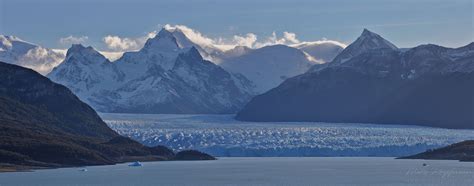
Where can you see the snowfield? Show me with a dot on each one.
(221, 135)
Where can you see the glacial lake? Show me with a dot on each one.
(221, 135)
(259, 171)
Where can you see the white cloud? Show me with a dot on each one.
(41, 59)
(320, 42)
(4, 42)
(73, 40)
(193, 35)
(117, 43)
(121, 44)
(248, 40)
(290, 37)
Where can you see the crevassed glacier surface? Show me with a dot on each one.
(221, 135)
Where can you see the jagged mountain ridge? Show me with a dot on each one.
(160, 78)
(371, 81)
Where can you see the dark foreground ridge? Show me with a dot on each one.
(462, 151)
(44, 125)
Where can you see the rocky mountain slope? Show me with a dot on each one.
(43, 124)
(371, 81)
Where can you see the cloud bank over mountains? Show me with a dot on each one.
(251, 40)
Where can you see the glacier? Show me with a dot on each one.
(222, 135)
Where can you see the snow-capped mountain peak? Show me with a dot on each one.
(160, 51)
(163, 41)
(87, 55)
(182, 40)
(75, 48)
(78, 49)
(86, 72)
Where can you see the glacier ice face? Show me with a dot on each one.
(221, 135)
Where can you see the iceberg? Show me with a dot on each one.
(135, 164)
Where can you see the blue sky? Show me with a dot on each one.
(406, 23)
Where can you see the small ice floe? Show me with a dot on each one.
(135, 164)
(83, 170)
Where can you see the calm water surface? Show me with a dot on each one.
(259, 171)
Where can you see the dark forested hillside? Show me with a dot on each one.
(42, 124)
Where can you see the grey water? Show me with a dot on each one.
(259, 171)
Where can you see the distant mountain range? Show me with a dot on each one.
(167, 75)
(170, 75)
(43, 124)
(372, 81)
